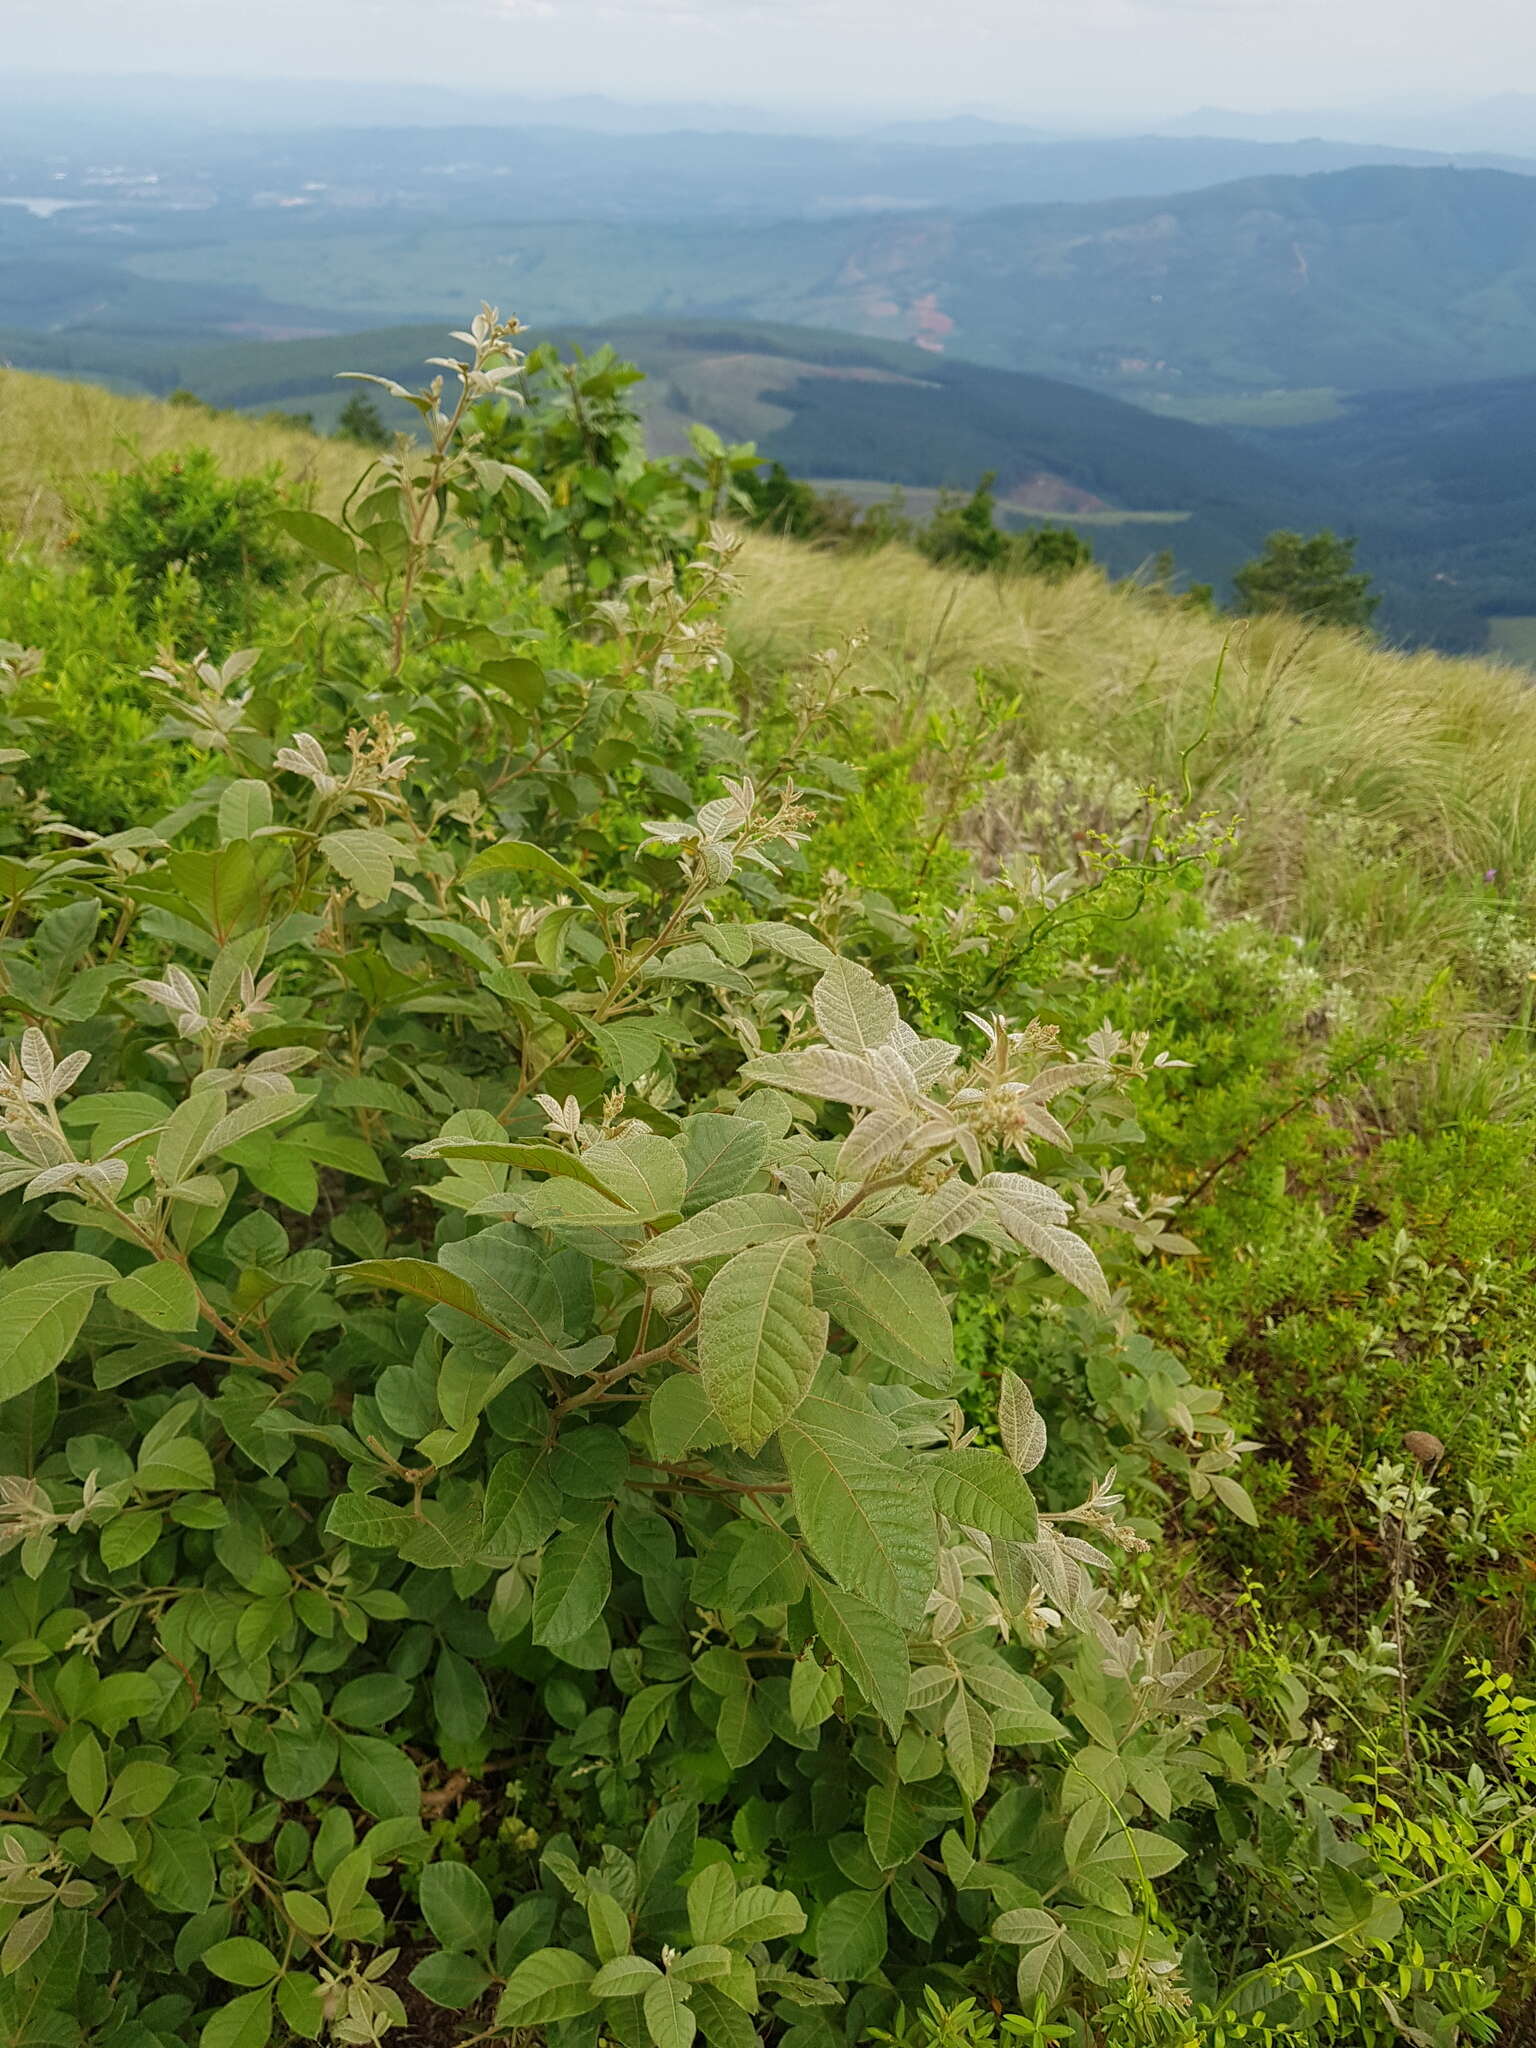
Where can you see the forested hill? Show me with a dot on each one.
(1354, 279)
(1360, 278)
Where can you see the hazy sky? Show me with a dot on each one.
(1061, 57)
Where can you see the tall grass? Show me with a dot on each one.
(1388, 800)
(55, 437)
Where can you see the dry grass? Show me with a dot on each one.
(54, 437)
(1377, 789)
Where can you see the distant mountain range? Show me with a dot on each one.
(550, 165)
(1502, 121)
(31, 102)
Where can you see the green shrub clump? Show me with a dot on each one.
(194, 549)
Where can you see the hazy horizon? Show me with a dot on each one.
(1050, 62)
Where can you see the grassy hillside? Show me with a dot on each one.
(55, 437)
(1385, 797)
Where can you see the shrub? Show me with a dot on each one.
(967, 534)
(323, 1482)
(1313, 576)
(196, 547)
(360, 420)
(605, 510)
(783, 504)
(1051, 551)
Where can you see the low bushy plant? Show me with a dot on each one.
(193, 548)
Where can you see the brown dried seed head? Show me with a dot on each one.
(1426, 1448)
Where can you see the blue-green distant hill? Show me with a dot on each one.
(1357, 279)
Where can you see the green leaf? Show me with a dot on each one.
(1018, 1422)
(969, 1741)
(139, 1789)
(86, 1775)
(609, 1924)
(428, 1282)
(624, 1977)
(574, 1582)
(380, 1777)
(741, 1730)
(1062, 1250)
(515, 1288)
(869, 1646)
(647, 1173)
(184, 1139)
(371, 1701)
(854, 1010)
(245, 808)
(851, 1935)
(723, 2023)
(865, 1519)
(553, 1984)
(981, 1489)
(643, 1718)
(246, 2022)
(791, 943)
(363, 856)
(339, 1150)
(457, 1907)
(766, 1571)
(43, 1302)
(712, 1903)
(532, 1158)
(668, 2017)
(450, 1980)
(520, 856)
(461, 1706)
(681, 1418)
(894, 1826)
(318, 536)
(1234, 1495)
(760, 1339)
(521, 1504)
(886, 1301)
(1135, 1854)
(813, 1690)
(180, 1466)
(301, 2002)
(721, 1154)
(162, 1295)
(729, 1227)
(372, 1524)
(241, 1961)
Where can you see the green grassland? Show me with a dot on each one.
(1259, 410)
